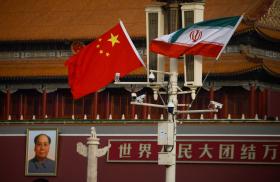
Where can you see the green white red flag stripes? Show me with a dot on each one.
(207, 38)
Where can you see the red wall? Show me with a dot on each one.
(72, 167)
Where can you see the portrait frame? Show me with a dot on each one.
(45, 164)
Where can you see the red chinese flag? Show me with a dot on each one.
(95, 65)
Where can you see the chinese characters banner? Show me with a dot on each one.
(198, 151)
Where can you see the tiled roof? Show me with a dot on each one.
(223, 8)
(271, 19)
(264, 17)
(229, 64)
(272, 67)
(260, 15)
(32, 68)
(83, 19)
(68, 19)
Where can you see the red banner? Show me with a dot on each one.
(198, 151)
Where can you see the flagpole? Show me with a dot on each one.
(131, 44)
(238, 22)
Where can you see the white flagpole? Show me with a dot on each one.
(131, 44)
(233, 30)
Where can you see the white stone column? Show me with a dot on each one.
(92, 153)
(92, 143)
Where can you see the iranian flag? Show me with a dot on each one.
(207, 38)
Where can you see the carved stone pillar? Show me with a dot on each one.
(92, 153)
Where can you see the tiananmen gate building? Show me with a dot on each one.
(239, 143)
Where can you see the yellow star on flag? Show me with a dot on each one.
(114, 39)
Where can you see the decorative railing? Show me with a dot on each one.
(249, 50)
(85, 118)
(43, 54)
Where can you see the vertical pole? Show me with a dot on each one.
(132, 112)
(112, 105)
(260, 103)
(225, 105)
(20, 106)
(171, 170)
(211, 97)
(107, 111)
(8, 103)
(265, 102)
(83, 106)
(62, 101)
(252, 100)
(144, 113)
(73, 107)
(25, 108)
(44, 103)
(94, 105)
(149, 108)
(121, 104)
(56, 105)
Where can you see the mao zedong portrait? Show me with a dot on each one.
(41, 163)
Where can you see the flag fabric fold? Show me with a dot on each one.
(96, 64)
(206, 38)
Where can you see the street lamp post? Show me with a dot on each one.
(167, 129)
(171, 169)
